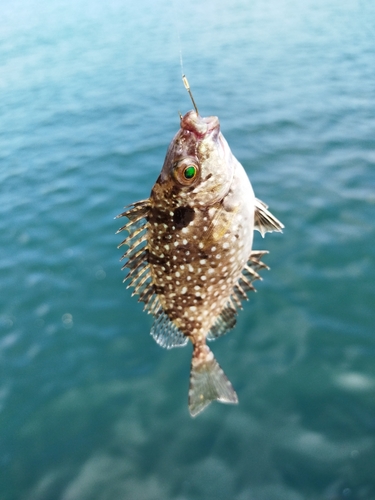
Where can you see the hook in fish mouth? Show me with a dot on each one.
(187, 87)
(193, 122)
(200, 126)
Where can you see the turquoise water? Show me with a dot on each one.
(90, 407)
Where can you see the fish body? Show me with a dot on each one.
(190, 254)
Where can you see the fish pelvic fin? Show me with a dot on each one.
(208, 382)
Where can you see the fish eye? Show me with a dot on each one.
(190, 172)
(186, 171)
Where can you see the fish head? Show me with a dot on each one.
(199, 163)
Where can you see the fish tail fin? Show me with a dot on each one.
(208, 382)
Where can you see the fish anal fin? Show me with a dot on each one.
(247, 283)
(235, 298)
(166, 333)
(240, 292)
(264, 221)
(227, 318)
(225, 322)
(254, 263)
(208, 382)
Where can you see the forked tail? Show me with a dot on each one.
(207, 381)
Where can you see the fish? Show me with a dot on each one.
(189, 251)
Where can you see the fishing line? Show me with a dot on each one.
(180, 48)
(183, 76)
(177, 17)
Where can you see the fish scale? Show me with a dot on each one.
(190, 255)
(188, 275)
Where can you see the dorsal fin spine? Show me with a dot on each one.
(137, 257)
(153, 306)
(137, 210)
(147, 293)
(134, 246)
(140, 283)
(137, 276)
(131, 239)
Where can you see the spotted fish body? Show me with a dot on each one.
(190, 254)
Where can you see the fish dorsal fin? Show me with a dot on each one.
(264, 221)
(134, 212)
(139, 272)
(227, 319)
(137, 214)
(166, 333)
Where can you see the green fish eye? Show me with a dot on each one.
(190, 172)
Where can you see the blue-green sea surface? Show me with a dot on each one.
(91, 408)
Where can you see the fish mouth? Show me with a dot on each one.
(200, 126)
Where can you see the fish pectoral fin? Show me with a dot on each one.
(208, 382)
(166, 333)
(264, 221)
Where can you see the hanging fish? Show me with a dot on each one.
(190, 256)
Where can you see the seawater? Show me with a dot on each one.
(90, 407)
